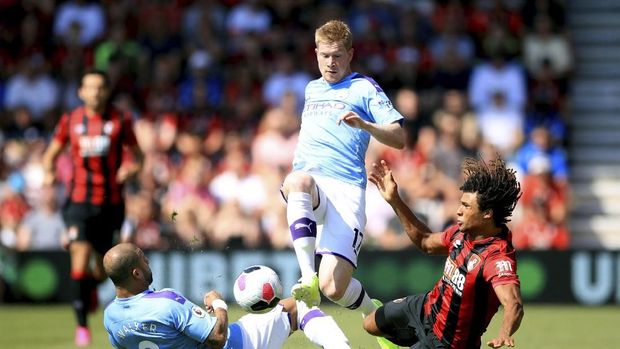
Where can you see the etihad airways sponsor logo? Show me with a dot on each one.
(327, 105)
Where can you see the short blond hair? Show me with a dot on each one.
(334, 31)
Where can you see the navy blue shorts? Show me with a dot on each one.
(93, 223)
(403, 322)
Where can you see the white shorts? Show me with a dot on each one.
(265, 331)
(341, 218)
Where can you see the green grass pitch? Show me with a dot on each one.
(544, 327)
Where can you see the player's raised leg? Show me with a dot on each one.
(337, 283)
(301, 195)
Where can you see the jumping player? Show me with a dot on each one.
(326, 187)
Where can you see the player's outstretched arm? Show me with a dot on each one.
(510, 297)
(391, 135)
(419, 233)
(214, 304)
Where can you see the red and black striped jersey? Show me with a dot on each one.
(96, 146)
(463, 301)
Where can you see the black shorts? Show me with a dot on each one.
(403, 322)
(95, 224)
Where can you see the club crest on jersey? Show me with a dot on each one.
(474, 260)
(197, 311)
(457, 243)
(79, 129)
(108, 127)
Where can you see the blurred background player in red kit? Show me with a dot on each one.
(104, 154)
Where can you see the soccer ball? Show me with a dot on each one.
(257, 289)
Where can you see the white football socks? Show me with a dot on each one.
(302, 225)
(355, 297)
(320, 329)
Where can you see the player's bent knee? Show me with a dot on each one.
(298, 182)
(370, 326)
(332, 293)
(330, 289)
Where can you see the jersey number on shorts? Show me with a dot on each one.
(357, 241)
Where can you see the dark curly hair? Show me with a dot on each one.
(496, 185)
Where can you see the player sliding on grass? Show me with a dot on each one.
(342, 111)
(144, 319)
(479, 274)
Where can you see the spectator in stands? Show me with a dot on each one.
(188, 195)
(237, 182)
(554, 9)
(383, 230)
(544, 46)
(248, 16)
(201, 89)
(544, 209)
(497, 75)
(88, 16)
(453, 52)
(141, 223)
(455, 102)
(156, 141)
(32, 88)
(276, 138)
(547, 104)
(202, 13)
(43, 227)
(449, 153)
(500, 39)
(408, 104)
(22, 126)
(119, 55)
(286, 77)
(71, 69)
(502, 125)
(541, 144)
(13, 205)
(159, 44)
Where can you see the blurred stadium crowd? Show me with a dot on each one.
(217, 86)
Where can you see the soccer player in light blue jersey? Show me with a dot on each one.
(326, 187)
(144, 319)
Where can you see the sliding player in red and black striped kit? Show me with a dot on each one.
(479, 273)
(99, 137)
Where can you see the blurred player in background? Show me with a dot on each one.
(326, 187)
(98, 136)
(142, 318)
(480, 272)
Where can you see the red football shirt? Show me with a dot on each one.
(463, 301)
(96, 147)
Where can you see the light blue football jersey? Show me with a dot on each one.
(339, 151)
(161, 320)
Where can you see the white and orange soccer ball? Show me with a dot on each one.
(257, 289)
